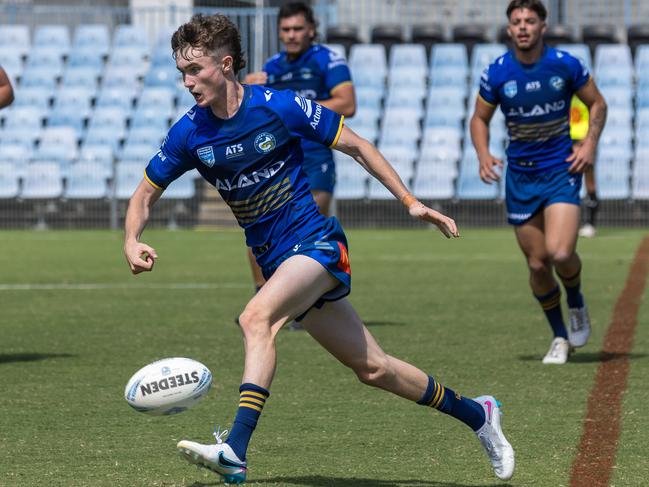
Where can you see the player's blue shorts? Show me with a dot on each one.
(527, 193)
(328, 246)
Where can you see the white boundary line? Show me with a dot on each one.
(117, 286)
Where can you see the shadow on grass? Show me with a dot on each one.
(322, 481)
(7, 358)
(371, 323)
(589, 357)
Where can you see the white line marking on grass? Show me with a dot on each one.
(102, 286)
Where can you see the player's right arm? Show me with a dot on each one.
(140, 256)
(480, 137)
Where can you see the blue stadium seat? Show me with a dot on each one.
(183, 188)
(611, 76)
(443, 118)
(407, 81)
(80, 78)
(46, 58)
(149, 136)
(185, 100)
(102, 154)
(128, 57)
(9, 180)
(26, 118)
(127, 35)
(43, 180)
(54, 37)
(41, 78)
(367, 97)
(87, 58)
(410, 57)
(442, 162)
(58, 143)
(163, 76)
(103, 136)
(157, 96)
(580, 51)
(483, 55)
(642, 60)
(15, 153)
(138, 151)
(449, 55)
(454, 76)
(79, 98)
(121, 77)
(369, 57)
(640, 186)
(15, 37)
(92, 36)
(470, 186)
(338, 49)
(20, 136)
(613, 56)
(612, 185)
(151, 117)
(431, 183)
(129, 174)
(11, 61)
(404, 98)
(111, 117)
(366, 77)
(351, 178)
(86, 180)
(446, 98)
(117, 96)
(620, 98)
(68, 117)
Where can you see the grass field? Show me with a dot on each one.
(74, 325)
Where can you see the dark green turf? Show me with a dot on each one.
(461, 310)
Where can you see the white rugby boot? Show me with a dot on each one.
(558, 353)
(219, 458)
(587, 231)
(578, 326)
(499, 451)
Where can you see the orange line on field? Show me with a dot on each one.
(596, 455)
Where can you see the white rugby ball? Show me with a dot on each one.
(168, 386)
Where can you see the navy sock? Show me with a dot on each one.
(551, 304)
(572, 285)
(251, 403)
(447, 401)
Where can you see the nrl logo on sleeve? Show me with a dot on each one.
(510, 89)
(305, 105)
(206, 155)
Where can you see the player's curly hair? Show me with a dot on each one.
(534, 5)
(212, 34)
(290, 9)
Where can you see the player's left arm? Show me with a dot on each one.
(343, 99)
(373, 161)
(583, 156)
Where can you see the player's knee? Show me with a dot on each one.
(538, 266)
(254, 323)
(561, 256)
(374, 372)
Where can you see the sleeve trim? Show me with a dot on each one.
(340, 85)
(485, 101)
(151, 182)
(340, 131)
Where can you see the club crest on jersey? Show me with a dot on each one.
(265, 142)
(206, 155)
(510, 89)
(557, 83)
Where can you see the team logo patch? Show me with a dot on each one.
(265, 142)
(510, 89)
(557, 83)
(206, 155)
(305, 105)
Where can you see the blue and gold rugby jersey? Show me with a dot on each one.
(314, 75)
(254, 160)
(536, 102)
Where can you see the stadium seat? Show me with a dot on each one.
(446, 98)
(620, 98)
(138, 151)
(346, 35)
(92, 37)
(470, 35)
(558, 34)
(163, 76)
(442, 161)
(9, 180)
(148, 135)
(127, 35)
(128, 57)
(58, 143)
(183, 188)
(483, 55)
(387, 35)
(129, 173)
(160, 97)
(87, 58)
(445, 55)
(428, 35)
(43, 180)
(613, 56)
(26, 118)
(86, 180)
(185, 100)
(121, 77)
(11, 61)
(430, 183)
(444, 76)
(67, 117)
(580, 51)
(338, 49)
(370, 97)
(409, 57)
(369, 58)
(103, 136)
(117, 96)
(40, 78)
(612, 185)
(19, 136)
(404, 96)
(54, 37)
(637, 35)
(80, 77)
(351, 178)
(15, 37)
(443, 118)
(151, 117)
(78, 98)
(594, 35)
(102, 154)
(642, 61)
(15, 153)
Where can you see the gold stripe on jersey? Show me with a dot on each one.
(538, 132)
(340, 131)
(151, 182)
(251, 202)
(273, 201)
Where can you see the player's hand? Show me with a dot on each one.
(140, 257)
(582, 157)
(488, 165)
(257, 78)
(445, 224)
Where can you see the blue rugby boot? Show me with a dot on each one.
(219, 458)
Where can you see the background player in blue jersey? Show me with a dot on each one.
(245, 140)
(315, 72)
(6, 90)
(533, 84)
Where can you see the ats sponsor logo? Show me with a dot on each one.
(233, 151)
